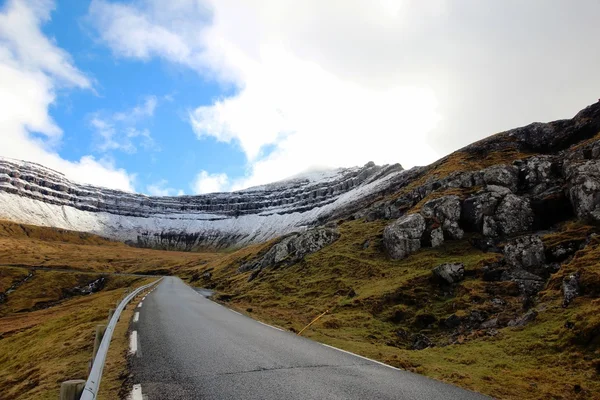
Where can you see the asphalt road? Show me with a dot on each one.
(192, 348)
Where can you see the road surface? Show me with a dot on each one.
(189, 347)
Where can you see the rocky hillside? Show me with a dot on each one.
(33, 194)
(481, 269)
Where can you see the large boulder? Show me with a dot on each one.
(483, 203)
(583, 188)
(449, 273)
(539, 173)
(445, 211)
(403, 236)
(514, 215)
(293, 248)
(502, 175)
(495, 211)
(526, 252)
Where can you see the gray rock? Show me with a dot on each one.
(525, 319)
(442, 209)
(583, 188)
(437, 237)
(570, 288)
(529, 284)
(514, 215)
(446, 211)
(482, 204)
(421, 342)
(293, 248)
(490, 323)
(526, 252)
(453, 230)
(502, 175)
(537, 173)
(403, 236)
(449, 273)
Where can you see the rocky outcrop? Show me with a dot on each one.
(444, 212)
(584, 188)
(403, 236)
(449, 273)
(502, 175)
(293, 248)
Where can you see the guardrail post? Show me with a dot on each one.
(71, 390)
(100, 329)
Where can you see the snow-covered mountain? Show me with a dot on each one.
(33, 194)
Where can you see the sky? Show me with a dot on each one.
(196, 96)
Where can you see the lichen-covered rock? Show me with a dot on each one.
(442, 209)
(495, 211)
(514, 215)
(482, 204)
(529, 284)
(570, 288)
(437, 237)
(446, 211)
(583, 188)
(526, 252)
(294, 248)
(449, 273)
(403, 236)
(502, 175)
(538, 173)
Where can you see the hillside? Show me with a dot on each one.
(480, 269)
(511, 310)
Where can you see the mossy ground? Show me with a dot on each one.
(40, 349)
(371, 298)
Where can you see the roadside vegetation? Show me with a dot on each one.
(48, 317)
(377, 305)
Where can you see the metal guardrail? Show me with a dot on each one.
(93, 382)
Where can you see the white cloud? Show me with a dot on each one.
(161, 188)
(32, 68)
(119, 131)
(328, 83)
(210, 183)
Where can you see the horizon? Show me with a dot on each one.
(114, 94)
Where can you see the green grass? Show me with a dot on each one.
(371, 298)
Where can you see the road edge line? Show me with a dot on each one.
(359, 356)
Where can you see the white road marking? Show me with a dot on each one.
(271, 326)
(136, 393)
(140, 305)
(143, 298)
(238, 313)
(136, 317)
(359, 356)
(133, 343)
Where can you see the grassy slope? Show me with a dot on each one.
(48, 247)
(543, 360)
(41, 348)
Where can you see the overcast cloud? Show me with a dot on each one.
(339, 83)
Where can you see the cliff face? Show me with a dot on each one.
(31, 193)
